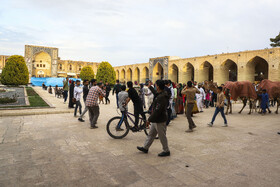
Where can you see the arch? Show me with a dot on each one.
(122, 76)
(257, 69)
(136, 75)
(117, 75)
(129, 74)
(206, 72)
(145, 75)
(229, 71)
(157, 72)
(187, 73)
(173, 73)
(42, 61)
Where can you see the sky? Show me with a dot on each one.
(125, 32)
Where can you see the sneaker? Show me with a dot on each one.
(142, 149)
(162, 154)
(201, 111)
(210, 124)
(189, 130)
(134, 129)
(81, 120)
(94, 127)
(225, 125)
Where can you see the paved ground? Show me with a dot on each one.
(57, 150)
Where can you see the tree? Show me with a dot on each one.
(106, 73)
(275, 41)
(15, 71)
(87, 73)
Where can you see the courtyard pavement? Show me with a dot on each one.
(57, 150)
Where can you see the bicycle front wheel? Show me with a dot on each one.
(117, 127)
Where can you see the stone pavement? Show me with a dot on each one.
(57, 150)
(56, 106)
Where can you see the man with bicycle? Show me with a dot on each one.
(137, 103)
(158, 120)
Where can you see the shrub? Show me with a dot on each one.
(106, 73)
(7, 100)
(87, 73)
(15, 71)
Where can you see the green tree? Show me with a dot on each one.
(106, 73)
(275, 41)
(15, 71)
(87, 73)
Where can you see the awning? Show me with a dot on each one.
(71, 74)
(40, 72)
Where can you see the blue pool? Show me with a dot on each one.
(49, 81)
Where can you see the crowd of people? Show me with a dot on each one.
(165, 100)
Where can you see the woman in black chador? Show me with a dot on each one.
(71, 94)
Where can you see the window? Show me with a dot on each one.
(44, 65)
(37, 65)
(70, 68)
(60, 66)
(40, 60)
(40, 65)
(80, 68)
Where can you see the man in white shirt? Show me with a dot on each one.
(77, 96)
(150, 95)
(200, 97)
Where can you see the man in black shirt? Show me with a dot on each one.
(108, 89)
(137, 103)
(117, 89)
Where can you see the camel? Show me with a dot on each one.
(273, 90)
(242, 89)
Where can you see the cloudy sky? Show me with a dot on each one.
(132, 31)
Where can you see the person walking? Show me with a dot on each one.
(85, 93)
(190, 92)
(219, 107)
(108, 89)
(264, 102)
(158, 120)
(77, 95)
(65, 89)
(117, 89)
(200, 97)
(92, 104)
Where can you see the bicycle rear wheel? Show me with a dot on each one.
(117, 127)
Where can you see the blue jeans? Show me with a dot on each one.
(117, 99)
(65, 92)
(217, 112)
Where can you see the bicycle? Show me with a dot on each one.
(118, 127)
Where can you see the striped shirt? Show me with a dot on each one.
(93, 95)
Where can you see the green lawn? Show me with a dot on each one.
(34, 99)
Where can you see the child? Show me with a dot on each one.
(123, 95)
